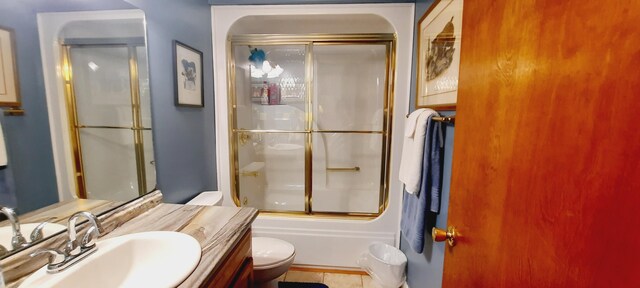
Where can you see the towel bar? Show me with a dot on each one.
(445, 119)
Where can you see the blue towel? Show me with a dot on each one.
(414, 206)
(434, 183)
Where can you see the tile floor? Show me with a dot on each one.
(333, 280)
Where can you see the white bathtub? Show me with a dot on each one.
(283, 199)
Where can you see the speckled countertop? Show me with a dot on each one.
(218, 229)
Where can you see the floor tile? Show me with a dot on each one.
(367, 282)
(334, 280)
(304, 276)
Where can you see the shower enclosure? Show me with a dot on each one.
(310, 118)
(108, 103)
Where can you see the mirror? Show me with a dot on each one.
(86, 130)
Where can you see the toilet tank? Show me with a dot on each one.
(207, 198)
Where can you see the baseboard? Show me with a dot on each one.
(323, 269)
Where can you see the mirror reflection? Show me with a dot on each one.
(84, 85)
(108, 103)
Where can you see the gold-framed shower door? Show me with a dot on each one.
(309, 41)
(74, 126)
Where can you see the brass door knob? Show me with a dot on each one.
(440, 235)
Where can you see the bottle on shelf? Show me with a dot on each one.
(274, 94)
(264, 97)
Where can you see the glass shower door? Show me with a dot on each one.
(350, 96)
(310, 123)
(270, 126)
(110, 128)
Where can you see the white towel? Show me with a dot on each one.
(3, 149)
(413, 148)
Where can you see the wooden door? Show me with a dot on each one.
(546, 165)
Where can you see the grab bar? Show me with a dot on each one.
(346, 169)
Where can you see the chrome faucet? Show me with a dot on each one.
(17, 240)
(88, 241)
(75, 249)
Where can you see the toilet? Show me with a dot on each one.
(271, 257)
(207, 198)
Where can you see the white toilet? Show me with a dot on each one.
(207, 198)
(271, 257)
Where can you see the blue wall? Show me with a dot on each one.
(184, 138)
(29, 181)
(76, 5)
(425, 270)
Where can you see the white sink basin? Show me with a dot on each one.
(148, 259)
(6, 232)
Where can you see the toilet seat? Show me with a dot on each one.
(270, 252)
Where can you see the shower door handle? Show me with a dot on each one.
(346, 169)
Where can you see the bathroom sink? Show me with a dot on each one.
(147, 259)
(48, 229)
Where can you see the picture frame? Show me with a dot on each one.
(438, 65)
(9, 80)
(187, 72)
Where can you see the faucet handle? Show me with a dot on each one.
(55, 256)
(89, 238)
(37, 234)
(71, 248)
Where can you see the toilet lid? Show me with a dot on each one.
(268, 251)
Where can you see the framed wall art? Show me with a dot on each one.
(9, 84)
(187, 67)
(439, 35)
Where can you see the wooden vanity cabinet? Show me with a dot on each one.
(236, 270)
(244, 278)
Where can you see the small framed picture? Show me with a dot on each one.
(9, 84)
(439, 34)
(187, 67)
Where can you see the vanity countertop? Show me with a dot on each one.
(60, 212)
(218, 229)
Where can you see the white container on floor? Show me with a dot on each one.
(385, 264)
